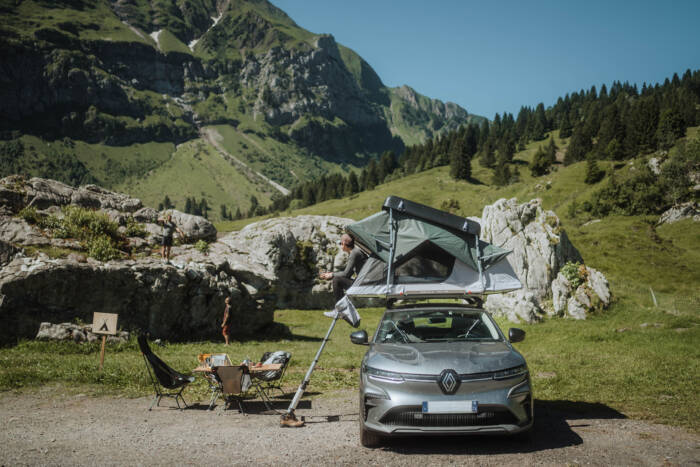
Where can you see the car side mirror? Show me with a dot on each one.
(359, 337)
(516, 335)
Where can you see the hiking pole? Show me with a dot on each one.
(289, 417)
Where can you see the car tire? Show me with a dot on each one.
(369, 439)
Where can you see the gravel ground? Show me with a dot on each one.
(51, 428)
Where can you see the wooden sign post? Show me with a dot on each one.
(105, 324)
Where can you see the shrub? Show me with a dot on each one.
(84, 224)
(102, 248)
(202, 246)
(575, 273)
(30, 215)
(134, 229)
(637, 193)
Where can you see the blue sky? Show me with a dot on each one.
(495, 56)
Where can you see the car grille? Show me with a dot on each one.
(413, 416)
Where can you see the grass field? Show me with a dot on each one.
(647, 372)
(639, 357)
(209, 176)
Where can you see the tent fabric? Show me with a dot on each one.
(347, 311)
(374, 233)
(432, 257)
(462, 280)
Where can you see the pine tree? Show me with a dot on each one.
(670, 128)
(460, 163)
(501, 175)
(488, 158)
(351, 185)
(579, 146)
(552, 150)
(204, 208)
(594, 174)
(541, 163)
(188, 205)
(565, 127)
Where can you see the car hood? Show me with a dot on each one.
(431, 358)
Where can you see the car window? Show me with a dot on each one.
(412, 326)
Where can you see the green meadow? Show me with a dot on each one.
(639, 357)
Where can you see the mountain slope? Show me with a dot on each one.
(292, 105)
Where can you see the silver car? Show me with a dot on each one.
(442, 369)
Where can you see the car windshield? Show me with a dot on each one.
(411, 326)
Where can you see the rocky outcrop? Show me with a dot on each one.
(682, 211)
(48, 196)
(183, 302)
(75, 333)
(16, 193)
(284, 256)
(592, 294)
(269, 264)
(540, 248)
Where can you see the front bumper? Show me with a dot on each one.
(392, 408)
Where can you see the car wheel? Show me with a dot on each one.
(369, 439)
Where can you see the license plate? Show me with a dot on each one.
(450, 407)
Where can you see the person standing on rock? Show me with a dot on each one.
(169, 228)
(342, 280)
(226, 322)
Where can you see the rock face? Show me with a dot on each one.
(540, 248)
(592, 294)
(176, 303)
(269, 264)
(284, 256)
(687, 210)
(47, 195)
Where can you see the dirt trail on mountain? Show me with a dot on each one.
(52, 428)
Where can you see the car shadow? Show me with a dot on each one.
(551, 431)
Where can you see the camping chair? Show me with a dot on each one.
(163, 376)
(229, 382)
(266, 382)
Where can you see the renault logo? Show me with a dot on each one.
(448, 381)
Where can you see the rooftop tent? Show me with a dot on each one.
(427, 252)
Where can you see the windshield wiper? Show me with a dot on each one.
(466, 335)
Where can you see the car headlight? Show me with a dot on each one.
(383, 374)
(510, 372)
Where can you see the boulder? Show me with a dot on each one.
(76, 333)
(679, 212)
(18, 231)
(539, 245)
(146, 215)
(16, 193)
(592, 294)
(540, 248)
(183, 302)
(195, 227)
(284, 256)
(518, 306)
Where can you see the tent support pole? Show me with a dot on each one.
(302, 386)
(479, 266)
(392, 248)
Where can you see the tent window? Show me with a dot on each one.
(427, 263)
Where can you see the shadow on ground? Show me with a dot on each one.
(551, 431)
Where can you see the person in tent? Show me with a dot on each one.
(342, 280)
